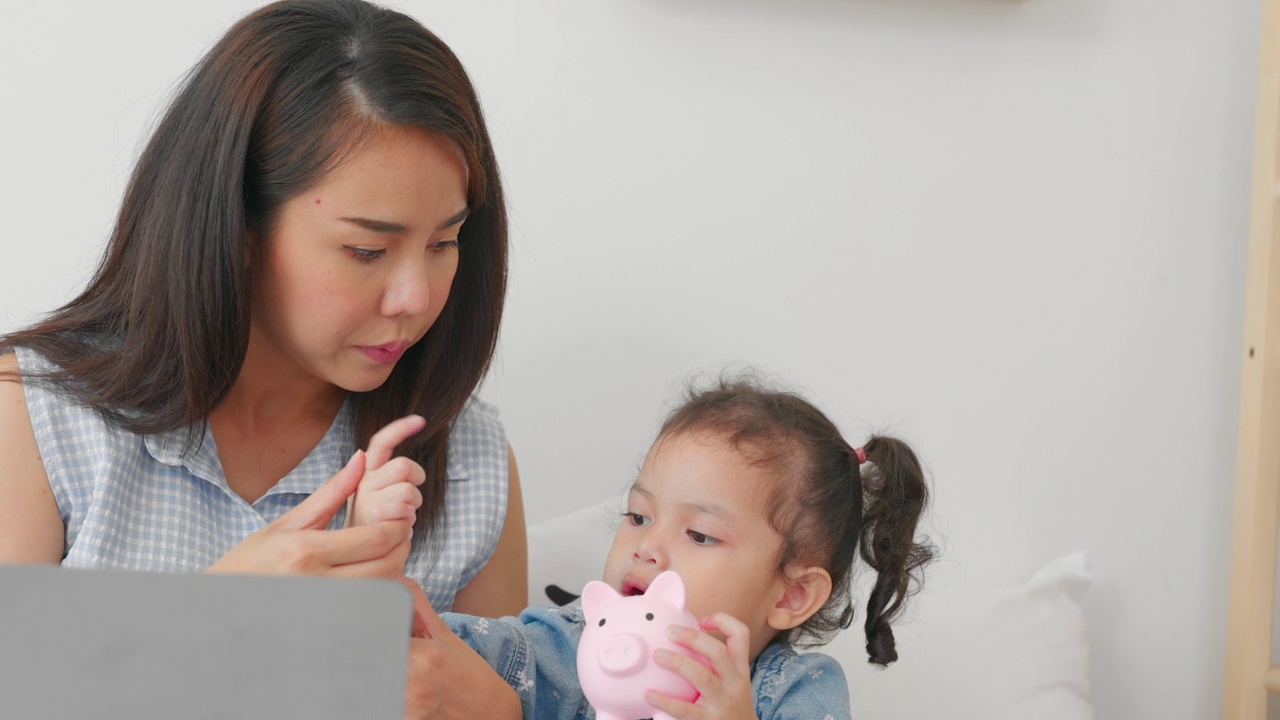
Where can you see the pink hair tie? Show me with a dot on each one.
(862, 455)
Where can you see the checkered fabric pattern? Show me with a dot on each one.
(152, 503)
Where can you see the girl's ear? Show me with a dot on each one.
(804, 591)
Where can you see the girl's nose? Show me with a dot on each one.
(650, 549)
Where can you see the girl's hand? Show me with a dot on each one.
(389, 489)
(724, 689)
(298, 543)
(388, 492)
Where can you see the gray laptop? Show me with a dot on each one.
(120, 644)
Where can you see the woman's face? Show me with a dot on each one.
(358, 268)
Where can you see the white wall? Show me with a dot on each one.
(1012, 232)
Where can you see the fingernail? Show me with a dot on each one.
(675, 632)
(661, 655)
(354, 455)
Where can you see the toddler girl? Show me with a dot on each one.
(761, 506)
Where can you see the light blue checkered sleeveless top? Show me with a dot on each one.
(137, 502)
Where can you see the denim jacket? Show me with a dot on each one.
(536, 654)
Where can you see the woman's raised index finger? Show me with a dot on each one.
(384, 442)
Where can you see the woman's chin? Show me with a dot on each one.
(362, 382)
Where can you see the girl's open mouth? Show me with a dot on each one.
(634, 585)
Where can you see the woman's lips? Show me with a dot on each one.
(384, 354)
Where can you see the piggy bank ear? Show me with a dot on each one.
(669, 588)
(595, 596)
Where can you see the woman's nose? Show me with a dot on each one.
(408, 292)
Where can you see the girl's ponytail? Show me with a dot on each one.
(895, 495)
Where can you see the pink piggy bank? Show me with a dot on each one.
(615, 655)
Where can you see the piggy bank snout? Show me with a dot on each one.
(623, 654)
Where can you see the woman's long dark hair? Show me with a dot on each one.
(159, 335)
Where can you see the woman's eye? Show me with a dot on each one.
(637, 519)
(444, 245)
(364, 254)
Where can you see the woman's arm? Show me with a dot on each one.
(502, 586)
(31, 529)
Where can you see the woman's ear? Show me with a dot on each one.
(804, 591)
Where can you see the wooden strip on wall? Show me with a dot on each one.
(1253, 557)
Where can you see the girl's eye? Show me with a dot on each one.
(637, 519)
(701, 539)
(444, 245)
(364, 254)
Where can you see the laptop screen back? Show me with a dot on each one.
(114, 643)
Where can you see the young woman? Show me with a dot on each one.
(312, 245)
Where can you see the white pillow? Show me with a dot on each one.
(973, 653)
(991, 653)
(569, 550)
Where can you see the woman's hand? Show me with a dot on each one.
(298, 543)
(447, 679)
(724, 688)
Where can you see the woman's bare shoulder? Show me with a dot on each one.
(30, 523)
(13, 404)
(12, 400)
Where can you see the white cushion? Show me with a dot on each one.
(982, 653)
(992, 653)
(569, 550)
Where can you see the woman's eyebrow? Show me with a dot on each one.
(384, 226)
(381, 226)
(457, 218)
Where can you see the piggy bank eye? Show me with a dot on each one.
(601, 622)
(648, 616)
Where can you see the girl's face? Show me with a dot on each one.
(358, 268)
(698, 508)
